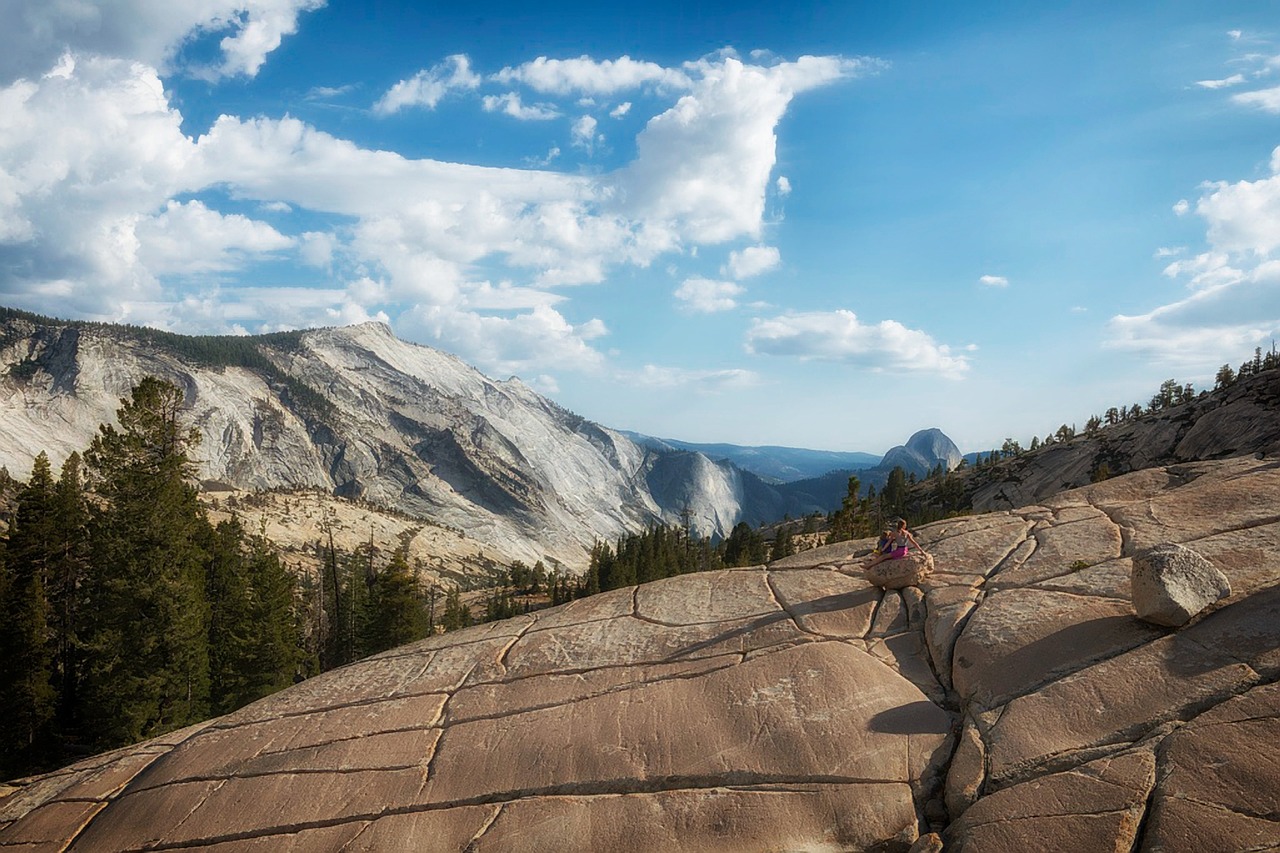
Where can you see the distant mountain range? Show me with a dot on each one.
(769, 463)
(358, 413)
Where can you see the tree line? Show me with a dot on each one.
(128, 613)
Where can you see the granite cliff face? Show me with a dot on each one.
(1011, 702)
(359, 413)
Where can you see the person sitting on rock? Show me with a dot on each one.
(885, 545)
(901, 536)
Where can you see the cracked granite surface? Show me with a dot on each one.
(1011, 700)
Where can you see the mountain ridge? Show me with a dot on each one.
(357, 412)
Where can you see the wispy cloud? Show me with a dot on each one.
(1267, 100)
(510, 104)
(993, 281)
(1233, 80)
(706, 381)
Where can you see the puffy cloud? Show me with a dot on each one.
(506, 297)
(752, 261)
(784, 185)
(706, 296)
(1243, 217)
(1234, 299)
(1267, 100)
(97, 179)
(620, 110)
(259, 31)
(37, 32)
(993, 281)
(583, 133)
(839, 336)
(525, 343)
(429, 86)
(511, 105)
(316, 248)
(704, 164)
(590, 76)
(85, 156)
(190, 238)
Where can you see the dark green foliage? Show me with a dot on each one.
(127, 614)
(456, 614)
(255, 646)
(744, 546)
(660, 552)
(27, 698)
(394, 613)
(783, 546)
(146, 642)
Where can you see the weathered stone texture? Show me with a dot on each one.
(1171, 584)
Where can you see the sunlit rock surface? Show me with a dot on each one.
(1011, 702)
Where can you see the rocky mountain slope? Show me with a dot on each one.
(1242, 418)
(1011, 702)
(356, 412)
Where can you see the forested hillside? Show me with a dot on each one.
(128, 614)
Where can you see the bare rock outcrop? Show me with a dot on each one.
(1011, 701)
(905, 571)
(1172, 584)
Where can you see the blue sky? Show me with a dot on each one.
(821, 225)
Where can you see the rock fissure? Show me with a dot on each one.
(502, 656)
(617, 688)
(475, 839)
(604, 788)
(1010, 559)
(782, 607)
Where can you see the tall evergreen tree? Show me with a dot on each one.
(27, 698)
(395, 615)
(67, 572)
(146, 667)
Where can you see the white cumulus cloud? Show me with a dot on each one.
(429, 86)
(1233, 302)
(841, 337)
(707, 296)
(752, 261)
(100, 189)
(993, 281)
(590, 76)
(37, 32)
(189, 238)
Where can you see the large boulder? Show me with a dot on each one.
(1171, 584)
(901, 572)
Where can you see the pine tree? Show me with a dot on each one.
(146, 667)
(395, 615)
(254, 647)
(27, 699)
(67, 572)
